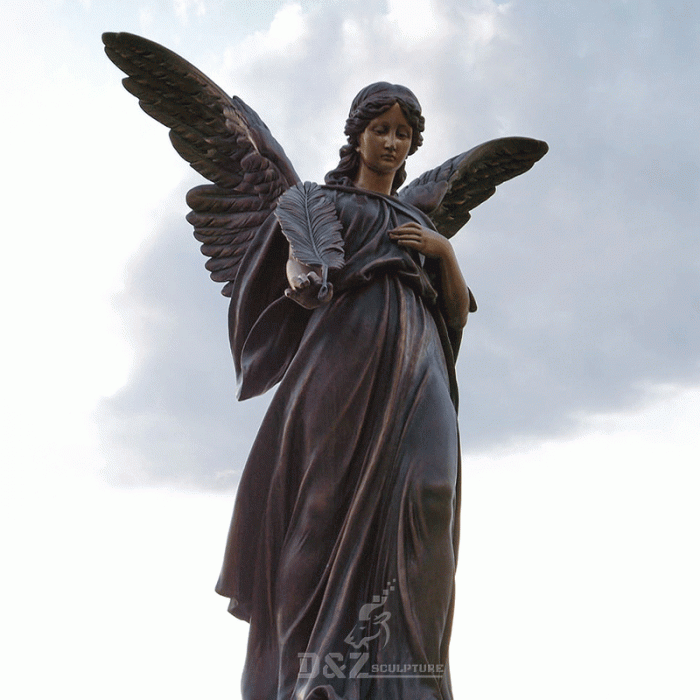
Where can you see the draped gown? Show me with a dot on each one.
(343, 543)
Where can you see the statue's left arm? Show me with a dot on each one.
(455, 299)
(447, 194)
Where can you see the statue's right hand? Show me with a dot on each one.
(305, 288)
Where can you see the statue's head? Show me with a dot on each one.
(374, 100)
(370, 103)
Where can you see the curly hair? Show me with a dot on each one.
(370, 103)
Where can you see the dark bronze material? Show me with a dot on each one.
(343, 544)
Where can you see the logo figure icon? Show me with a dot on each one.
(372, 621)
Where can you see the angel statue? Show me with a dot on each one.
(343, 544)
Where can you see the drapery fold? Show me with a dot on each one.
(343, 543)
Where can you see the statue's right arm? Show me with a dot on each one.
(304, 284)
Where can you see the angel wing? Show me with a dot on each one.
(220, 136)
(449, 192)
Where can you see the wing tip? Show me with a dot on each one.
(542, 149)
(113, 39)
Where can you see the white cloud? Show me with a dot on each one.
(575, 563)
(183, 8)
(413, 20)
(283, 38)
(287, 27)
(146, 18)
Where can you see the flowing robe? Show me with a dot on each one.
(343, 543)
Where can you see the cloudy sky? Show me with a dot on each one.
(579, 374)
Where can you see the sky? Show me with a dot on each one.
(579, 374)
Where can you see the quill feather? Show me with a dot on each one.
(311, 225)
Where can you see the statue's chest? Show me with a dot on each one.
(366, 223)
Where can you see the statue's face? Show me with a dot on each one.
(385, 143)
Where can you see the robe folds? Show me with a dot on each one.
(343, 544)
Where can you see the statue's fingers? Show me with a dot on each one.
(328, 295)
(301, 298)
(409, 240)
(406, 234)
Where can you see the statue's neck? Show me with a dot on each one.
(368, 179)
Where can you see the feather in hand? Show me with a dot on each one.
(311, 225)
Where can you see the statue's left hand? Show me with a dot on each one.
(456, 297)
(417, 237)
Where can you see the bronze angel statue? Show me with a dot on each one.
(343, 544)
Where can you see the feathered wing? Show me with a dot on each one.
(220, 136)
(449, 192)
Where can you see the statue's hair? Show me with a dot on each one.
(370, 103)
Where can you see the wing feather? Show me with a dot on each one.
(221, 137)
(449, 192)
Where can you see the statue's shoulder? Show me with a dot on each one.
(341, 195)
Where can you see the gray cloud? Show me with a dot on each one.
(176, 420)
(585, 269)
